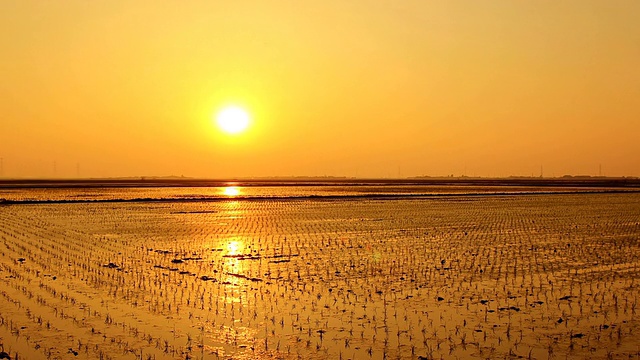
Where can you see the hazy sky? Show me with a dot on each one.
(334, 87)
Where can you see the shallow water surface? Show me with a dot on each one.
(534, 276)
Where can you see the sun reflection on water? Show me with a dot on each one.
(231, 191)
(233, 267)
(234, 247)
(232, 207)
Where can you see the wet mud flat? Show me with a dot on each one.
(496, 276)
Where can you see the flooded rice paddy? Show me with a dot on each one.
(512, 276)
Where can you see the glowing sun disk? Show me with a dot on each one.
(233, 120)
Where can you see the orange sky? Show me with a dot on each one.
(334, 87)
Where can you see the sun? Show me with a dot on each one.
(233, 120)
